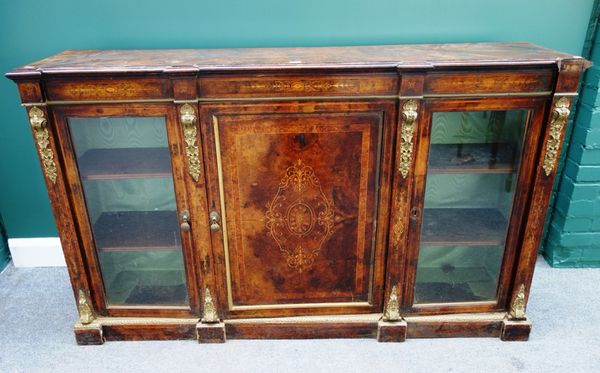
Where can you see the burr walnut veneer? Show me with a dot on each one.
(378, 191)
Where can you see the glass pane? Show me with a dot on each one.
(471, 175)
(125, 169)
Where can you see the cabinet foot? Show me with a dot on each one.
(90, 334)
(515, 330)
(211, 333)
(391, 331)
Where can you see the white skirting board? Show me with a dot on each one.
(36, 252)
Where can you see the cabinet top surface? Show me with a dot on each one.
(382, 56)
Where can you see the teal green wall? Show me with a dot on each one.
(573, 238)
(31, 30)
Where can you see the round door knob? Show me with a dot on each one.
(185, 221)
(214, 218)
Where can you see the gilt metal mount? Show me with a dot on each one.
(40, 129)
(392, 309)
(517, 309)
(86, 313)
(560, 114)
(209, 314)
(188, 121)
(407, 133)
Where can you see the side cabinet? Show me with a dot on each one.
(372, 192)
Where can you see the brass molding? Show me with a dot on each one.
(297, 98)
(106, 321)
(360, 318)
(86, 313)
(223, 211)
(187, 115)
(29, 104)
(566, 94)
(460, 317)
(300, 305)
(209, 312)
(409, 117)
(492, 94)
(39, 124)
(181, 102)
(208, 99)
(92, 102)
(392, 308)
(517, 308)
(560, 115)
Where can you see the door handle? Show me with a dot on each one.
(185, 220)
(214, 219)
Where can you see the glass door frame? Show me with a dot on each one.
(532, 138)
(61, 114)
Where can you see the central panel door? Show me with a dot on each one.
(295, 191)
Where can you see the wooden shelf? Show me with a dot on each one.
(471, 158)
(467, 284)
(125, 163)
(148, 287)
(463, 227)
(137, 230)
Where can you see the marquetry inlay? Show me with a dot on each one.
(300, 218)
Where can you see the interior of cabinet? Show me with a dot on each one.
(125, 169)
(472, 166)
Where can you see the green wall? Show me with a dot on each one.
(31, 30)
(573, 238)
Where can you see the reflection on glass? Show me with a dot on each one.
(471, 175)
(125, 169)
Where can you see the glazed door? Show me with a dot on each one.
(471, 183)
(126, 172)
(298, 194)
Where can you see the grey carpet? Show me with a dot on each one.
(37, 313)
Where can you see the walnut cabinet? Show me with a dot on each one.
(375, 192)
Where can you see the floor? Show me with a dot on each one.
(37, 313)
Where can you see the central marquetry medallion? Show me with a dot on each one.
(300, 218)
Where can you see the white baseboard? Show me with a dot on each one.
(36, 252)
